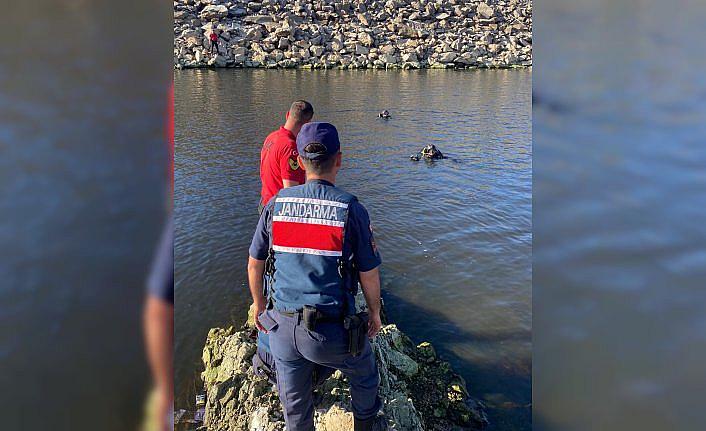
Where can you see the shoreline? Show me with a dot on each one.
(353, 34)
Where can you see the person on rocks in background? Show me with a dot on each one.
(314, 243)
(279, 167)
(213, 37)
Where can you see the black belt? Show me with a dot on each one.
(321, 317)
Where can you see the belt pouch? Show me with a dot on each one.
(309, 316)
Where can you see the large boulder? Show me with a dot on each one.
(214, 12)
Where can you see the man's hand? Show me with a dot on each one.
(259, 308)
(256, 271)
(374, 324)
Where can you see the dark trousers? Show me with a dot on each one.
(214, 46)
(297, 351)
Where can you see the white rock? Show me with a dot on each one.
(485, 11)
(214, 12)
(409, 57)
(316, 50)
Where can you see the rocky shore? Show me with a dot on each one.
(353, 34)
(419, 390)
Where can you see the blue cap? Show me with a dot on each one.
(318, 133)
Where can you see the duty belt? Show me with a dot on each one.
(310, 316)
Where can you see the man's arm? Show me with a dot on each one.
(290, 170)
(256, 272)
(370, 282)
(158, 319)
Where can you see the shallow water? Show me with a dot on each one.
(455, 234)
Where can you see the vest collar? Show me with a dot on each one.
(321, 182)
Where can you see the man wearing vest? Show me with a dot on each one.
(314, 243)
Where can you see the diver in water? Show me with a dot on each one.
(384, 114)
(430, 152)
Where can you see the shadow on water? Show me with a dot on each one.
(415, 320)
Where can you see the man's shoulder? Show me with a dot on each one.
(281, 137)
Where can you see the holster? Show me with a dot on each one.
(357, 327)
(309, 316)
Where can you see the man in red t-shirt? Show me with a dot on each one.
(214, 41)
(279, 167)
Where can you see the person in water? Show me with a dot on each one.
(384, 114)
(430, 152)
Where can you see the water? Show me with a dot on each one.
(619, 298)
(455, 235)
(82, 186)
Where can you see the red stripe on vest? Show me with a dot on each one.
(304, 235)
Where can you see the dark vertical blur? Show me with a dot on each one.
(619, 297)
(83, 192)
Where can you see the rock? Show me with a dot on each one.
(447, 57)
(418, 393)
(316, 50)
(409, 33)
(258, 19)
(409, 57)
(426, 352)
(366, 39)
(214, 12)
(485, 11)
(361, 50)
(237, 12)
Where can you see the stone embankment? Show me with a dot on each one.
(419, 390)
(353, 34)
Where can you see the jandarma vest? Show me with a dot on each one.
(308, 228)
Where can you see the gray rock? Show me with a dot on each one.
(409, 57)
(218, 60)
(258, 19)
(417, 33)
(214, 12)
(447, 57)
(237, 12)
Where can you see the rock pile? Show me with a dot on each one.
(419, 391)
(350, 34)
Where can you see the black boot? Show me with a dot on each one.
(375, 423)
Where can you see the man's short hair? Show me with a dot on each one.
(322, 164)
(301, 111)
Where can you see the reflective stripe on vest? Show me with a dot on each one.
(308, 226)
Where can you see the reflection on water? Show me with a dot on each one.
(619, 298)
(455, 234)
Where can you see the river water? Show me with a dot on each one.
(455, 234)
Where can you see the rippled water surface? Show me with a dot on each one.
(455, 235)
(619, 261)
